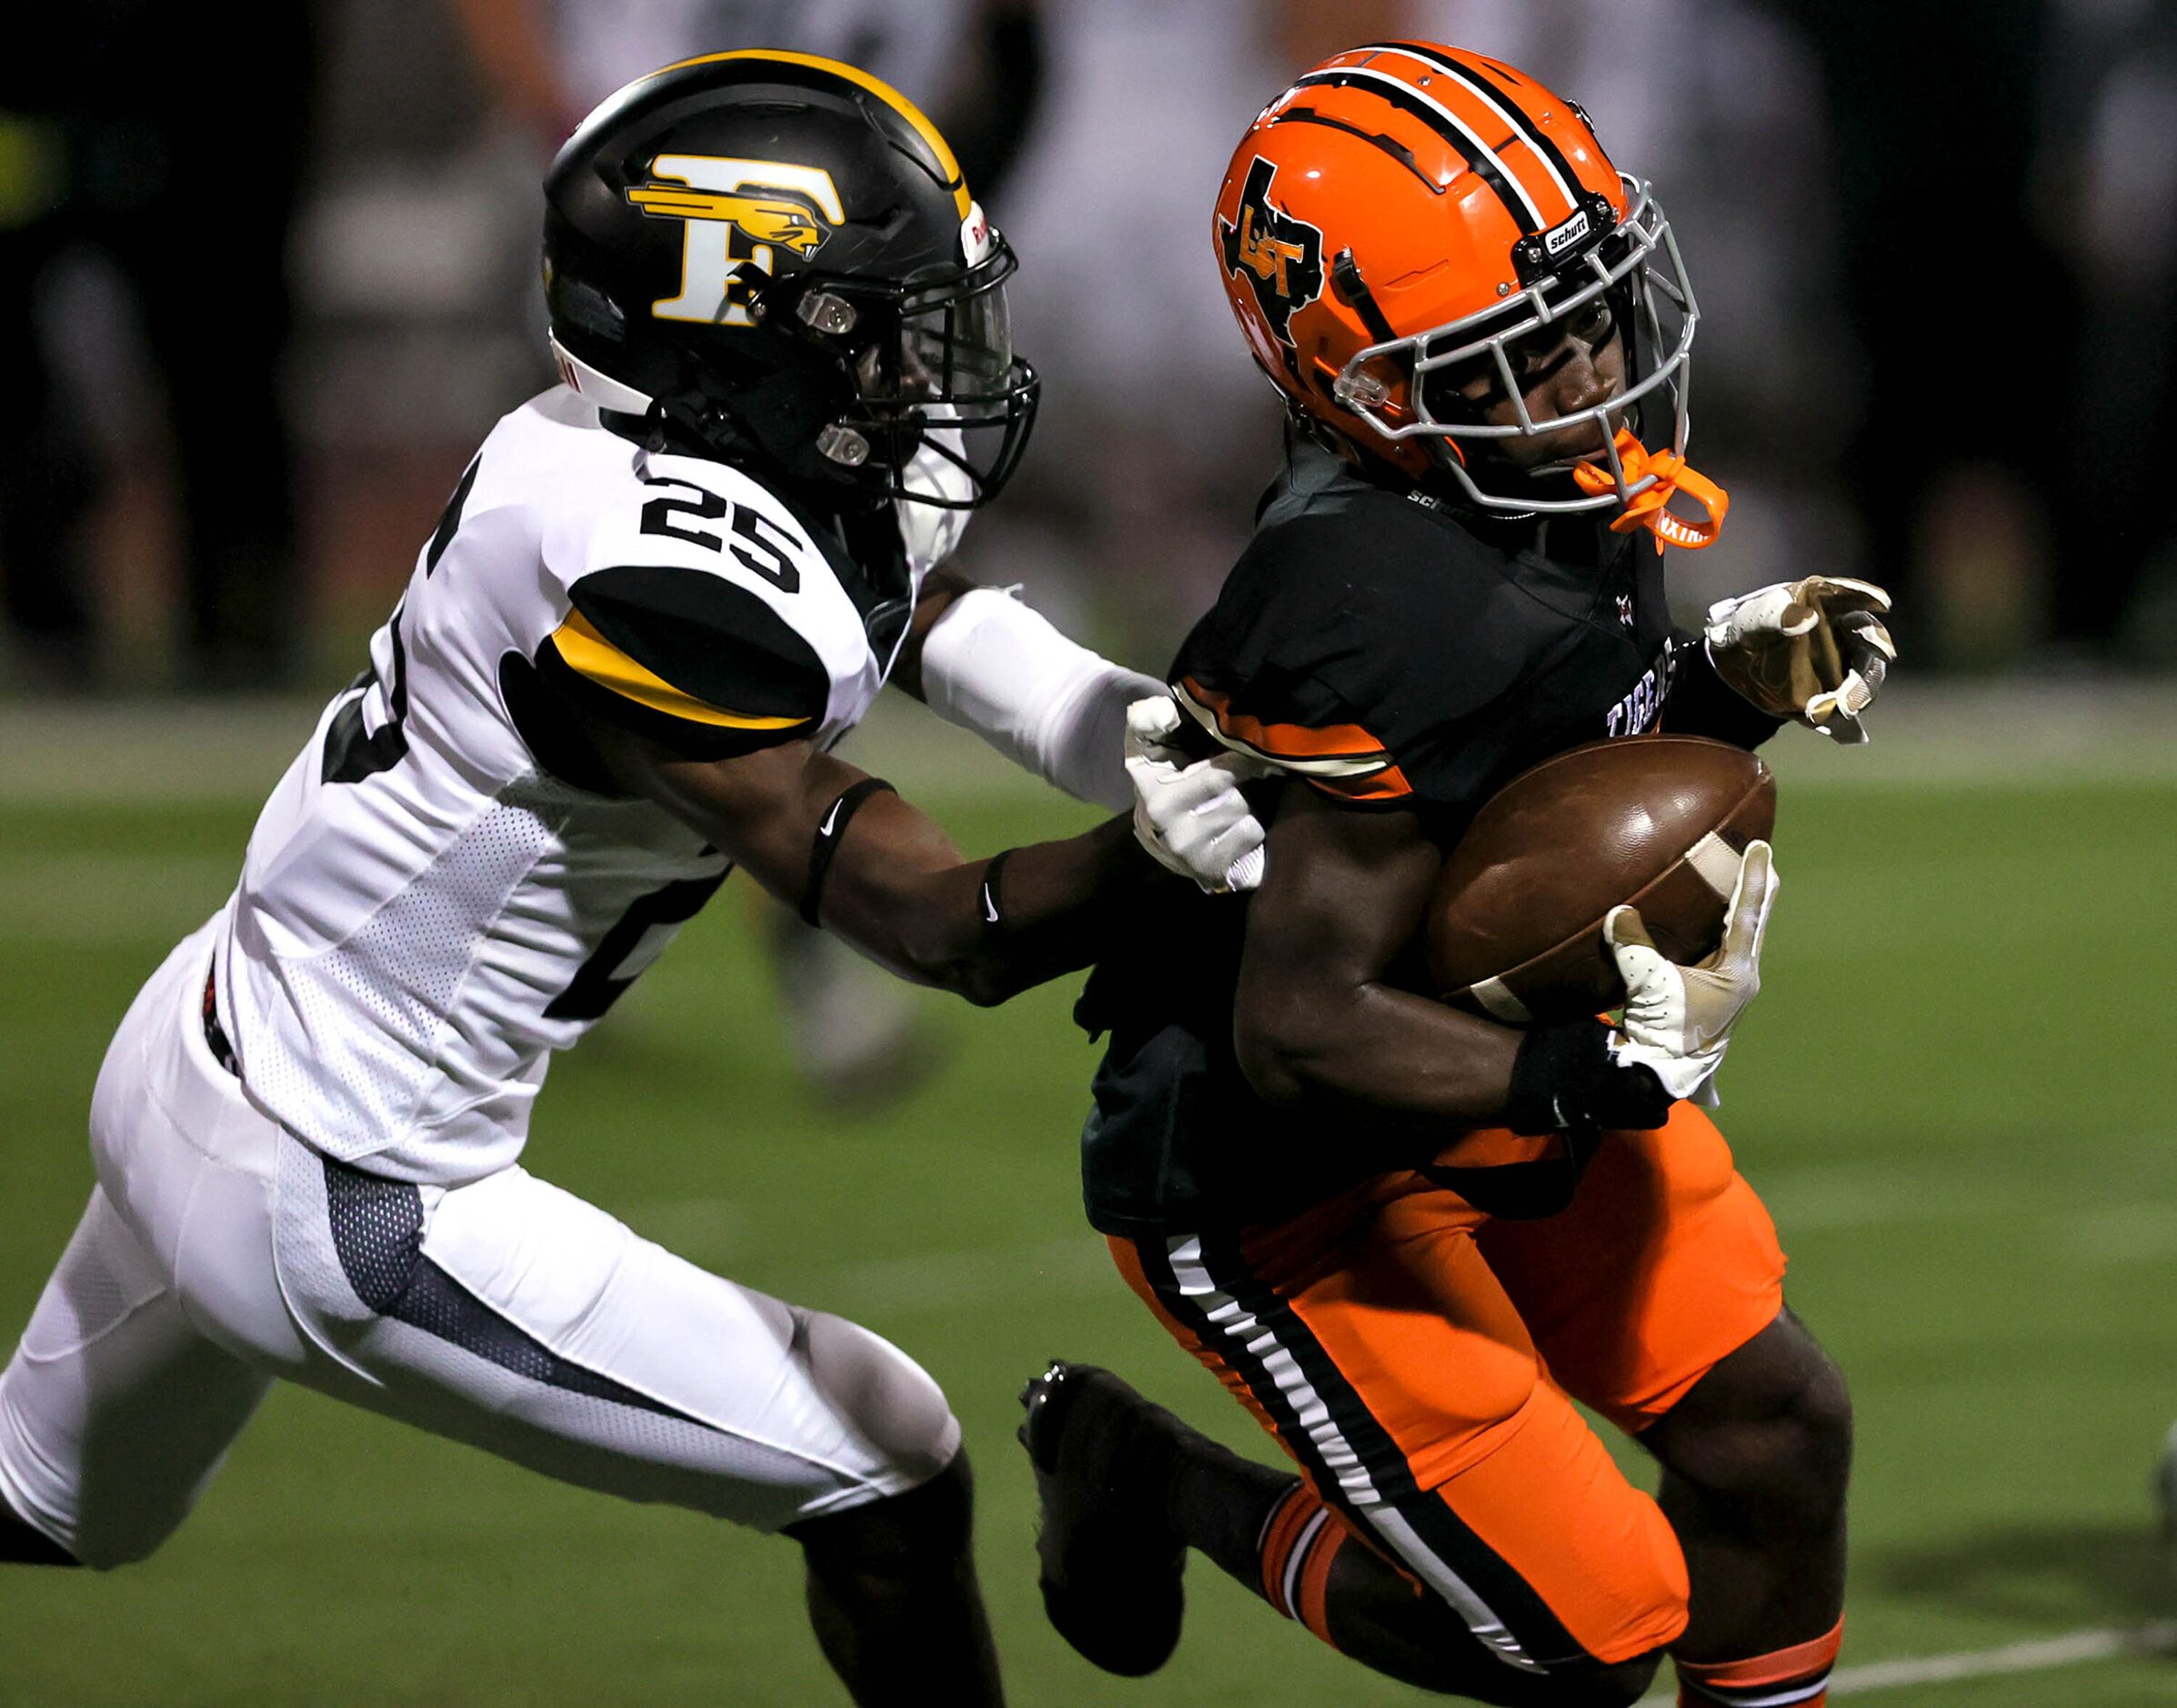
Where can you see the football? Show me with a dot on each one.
(1515, 924)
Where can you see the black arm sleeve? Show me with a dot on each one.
(1702, 703)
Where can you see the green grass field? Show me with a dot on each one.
(1956, 1094)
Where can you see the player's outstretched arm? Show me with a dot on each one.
(1319, 1018)
(983, 660)
(825, 838)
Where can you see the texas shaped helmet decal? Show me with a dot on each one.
(1280, 257)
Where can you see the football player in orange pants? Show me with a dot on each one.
(1405, 1237)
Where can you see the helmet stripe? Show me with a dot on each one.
(954, 180)
(1397, 150)
(1480, 158)
(1538, 137)
(1499, 105)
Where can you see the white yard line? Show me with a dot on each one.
(2039, 1654)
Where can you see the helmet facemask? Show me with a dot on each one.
(1408, 390)
(942, 406)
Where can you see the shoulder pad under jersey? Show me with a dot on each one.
(1348, 642)
(705, 619)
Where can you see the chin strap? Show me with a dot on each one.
(1647, 509)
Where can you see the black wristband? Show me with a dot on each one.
(989, 902)
(830, 829)
(1563, 1080)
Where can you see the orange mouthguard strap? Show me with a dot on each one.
(1649, 510)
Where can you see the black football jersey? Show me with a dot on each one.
(1395, 655)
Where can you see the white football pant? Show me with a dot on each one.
(219, 1252)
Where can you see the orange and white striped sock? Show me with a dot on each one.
(1797, 1677)
(1301, 1539)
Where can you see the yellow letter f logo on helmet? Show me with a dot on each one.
(737, 212)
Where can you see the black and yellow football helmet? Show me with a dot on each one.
(775, 257)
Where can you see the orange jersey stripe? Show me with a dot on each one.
(1286, 742)
(1389, 784)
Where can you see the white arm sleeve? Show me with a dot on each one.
(991, 665)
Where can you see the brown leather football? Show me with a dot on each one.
(1515, 926)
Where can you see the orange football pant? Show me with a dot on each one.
(1419, 1360)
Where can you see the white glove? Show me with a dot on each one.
(1678, 1019)
(1191, 818)
(1815, 650)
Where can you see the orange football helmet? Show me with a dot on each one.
(1401, 219)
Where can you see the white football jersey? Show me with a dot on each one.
(430, 907)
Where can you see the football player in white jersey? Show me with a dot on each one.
(659, 594)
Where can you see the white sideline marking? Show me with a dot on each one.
(2157, 1637)
(2040, 1654)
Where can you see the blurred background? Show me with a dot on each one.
(253, 322)
(247, 341)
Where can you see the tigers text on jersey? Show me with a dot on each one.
(429, 906)
(1393, 656)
